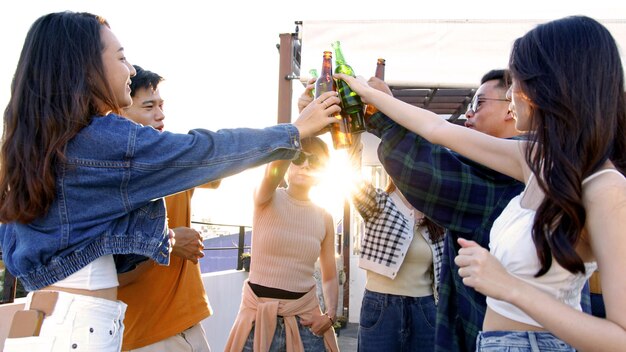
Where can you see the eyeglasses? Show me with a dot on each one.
(474, 105)
(314, 160)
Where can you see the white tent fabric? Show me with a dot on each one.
(423, 53)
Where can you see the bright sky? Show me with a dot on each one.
(220, 60)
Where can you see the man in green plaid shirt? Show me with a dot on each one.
(458, 194)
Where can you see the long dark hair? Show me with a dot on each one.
(58, 86)
(435, 232)
(570, 71)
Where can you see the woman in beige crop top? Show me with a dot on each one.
(279, 309)
(568, 89)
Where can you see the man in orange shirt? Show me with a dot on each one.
(165, 303)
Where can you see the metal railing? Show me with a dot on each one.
(240, 244)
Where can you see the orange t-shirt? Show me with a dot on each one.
(165, 300)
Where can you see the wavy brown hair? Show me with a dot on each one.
(571, 72)
(58, 87)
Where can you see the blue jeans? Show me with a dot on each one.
(310, 342)
(520, 341)
(396, 323)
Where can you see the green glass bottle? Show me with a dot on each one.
(351, 104)
(339, 130)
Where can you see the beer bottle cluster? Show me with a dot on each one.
(350, 120)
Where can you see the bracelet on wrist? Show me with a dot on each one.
(331, 319)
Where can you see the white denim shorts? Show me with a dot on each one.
(78, 323)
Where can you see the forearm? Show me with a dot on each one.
(499, 154)
(366, 200)
(420, 121)
(273, 176)
(330, 289)
(582, 331)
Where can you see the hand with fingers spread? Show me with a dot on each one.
(482, 271)
(358, 84)
(318, 114)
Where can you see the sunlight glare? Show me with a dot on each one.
(336, 181)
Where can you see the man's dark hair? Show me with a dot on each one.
(144, 79)
(502, 76)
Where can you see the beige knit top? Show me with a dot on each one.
(286, 240)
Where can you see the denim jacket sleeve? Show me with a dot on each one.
(164, 163)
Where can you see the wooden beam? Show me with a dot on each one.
(285, 87)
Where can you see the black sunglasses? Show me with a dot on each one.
(314, 160)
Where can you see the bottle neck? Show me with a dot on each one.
(338, 54)
(339, 57)
(380, 71)
(327, 67)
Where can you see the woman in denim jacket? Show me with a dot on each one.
(80, 183)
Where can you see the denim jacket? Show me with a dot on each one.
(109, 192)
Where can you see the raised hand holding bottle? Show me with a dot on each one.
(351, 104)
(339, 130)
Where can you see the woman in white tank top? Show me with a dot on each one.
(568, 90)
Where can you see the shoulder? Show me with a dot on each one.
(108, 127)
(112, 120)
(606, 183)
(605, 192)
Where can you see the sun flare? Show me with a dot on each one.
(336, 181)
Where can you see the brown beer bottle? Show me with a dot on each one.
(351, 104)
(369, 108)
(339, 130)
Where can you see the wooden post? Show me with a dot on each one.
(285, 75)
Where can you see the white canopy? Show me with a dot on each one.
(423, 53)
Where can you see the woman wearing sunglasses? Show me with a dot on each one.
(279, 308)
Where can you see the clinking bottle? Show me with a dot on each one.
(351, 104)
(369, 108)
(339, 130)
